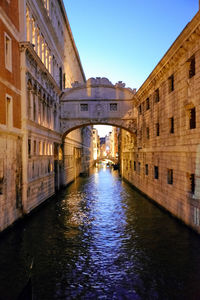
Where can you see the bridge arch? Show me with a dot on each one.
(98, 102)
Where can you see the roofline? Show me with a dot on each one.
(71, 37)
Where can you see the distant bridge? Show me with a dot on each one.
(110, 158)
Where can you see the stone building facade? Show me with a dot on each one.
(163, 159)
(39, 61)
(96, 144)
(10, 115)
(49, 63)
(78, 154)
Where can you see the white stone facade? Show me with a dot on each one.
(49, 64)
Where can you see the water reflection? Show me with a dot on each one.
(100, 239)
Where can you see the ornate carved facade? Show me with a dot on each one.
(40, 43)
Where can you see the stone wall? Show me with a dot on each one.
(10, 179)
(163, 161)
(77, 154)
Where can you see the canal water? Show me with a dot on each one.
(100, 239)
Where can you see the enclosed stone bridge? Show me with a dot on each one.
(98, 102)
(109, 158)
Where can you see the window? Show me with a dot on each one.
(9, 111)
(196, 216)
(34, 109)
(171, 124)
(140, 109)
(147, 132)
(157, 96)
(192, 116)
(139, 164)
(8, 52)
(170, 176)
(84, 107)
(146, 169)
(156, 174)
(192, 183)
(29, 147)
(171, 83)
(147, 104)
(43, 49)
(64, 80)
(134, 165)
(157, 129)
(60, 77)
(113, 106)
(192, 67)
(40, 148)
(34, 147)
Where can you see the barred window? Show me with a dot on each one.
(156, 173)
(157, 129)
(170, 176)
(146, 169)
(192, 67)
(192, 183)
(147, 104)
(84, 107)
(171, 121)
(192, 118)
(171, 83)
(113, 106)
(157, 96)
(147, 132)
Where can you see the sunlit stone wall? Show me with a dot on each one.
(163, 161)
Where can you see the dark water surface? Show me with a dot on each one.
(100, 239)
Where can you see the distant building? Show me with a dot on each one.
(102, 147)
(96, 146)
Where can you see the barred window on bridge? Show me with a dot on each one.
(84, 107)
(113, 106)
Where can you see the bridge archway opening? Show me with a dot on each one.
(97, 123)
(80, 157)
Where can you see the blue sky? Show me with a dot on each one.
(124, 40)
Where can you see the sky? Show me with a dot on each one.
(124, 40)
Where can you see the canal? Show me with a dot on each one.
(100, 239)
